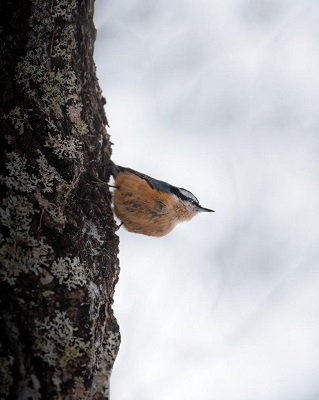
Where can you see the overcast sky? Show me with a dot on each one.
(221, 98)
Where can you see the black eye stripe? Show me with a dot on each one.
(186, 194)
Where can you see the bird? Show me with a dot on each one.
(149, 206)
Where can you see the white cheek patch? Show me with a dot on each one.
(188, 194)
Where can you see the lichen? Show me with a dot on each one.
(57, 214)
(81, 127)
(18, 177)
(113, 344)
(17, 118)
(57, 343)
(20, 252)
(69, 272)
(47, 79)
(79, 388)
(54, 211)
(64, 9)
(66, 44)
(91, 230)
(64, 147)
(53, 98)
(74, 113)
(48, 174)
(52, 88)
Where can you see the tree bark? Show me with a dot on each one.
(59, 265)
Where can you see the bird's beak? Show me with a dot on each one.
(203, 209)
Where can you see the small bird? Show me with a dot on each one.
(148, 206)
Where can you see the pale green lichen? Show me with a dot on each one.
(69, 272)
(32, 68)
(59, 88)
(81, 128)
(74, 114)
(20, 252)
(51, 88)
(57, 343)
(64, 147)
(52, 98)
(66, 44)
(51, 125)
(18, 177)
(64, 9)
(48, 174)
(56, 213)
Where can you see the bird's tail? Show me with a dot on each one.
(114, 169)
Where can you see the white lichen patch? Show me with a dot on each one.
(57, 342)
(64, 9)
(57, 88)
(91, 230)
(52, 88)
(32, 69)
(64, 147)
(56, 213)
(20, 252)
(48, 174)
(74, 115)
(67, 81)
(51, 125)
(66, 44)
(69, 272)
(18, 177)
(53, 98)
(113, 345)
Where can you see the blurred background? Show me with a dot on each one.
(221, 98)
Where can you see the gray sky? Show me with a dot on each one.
(221, 98)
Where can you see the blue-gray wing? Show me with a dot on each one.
(155, 184)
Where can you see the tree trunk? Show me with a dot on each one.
(59, 265)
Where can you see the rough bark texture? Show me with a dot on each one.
(58, 250)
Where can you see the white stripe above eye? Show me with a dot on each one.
(188, 194)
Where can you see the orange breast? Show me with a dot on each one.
(141, 208)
